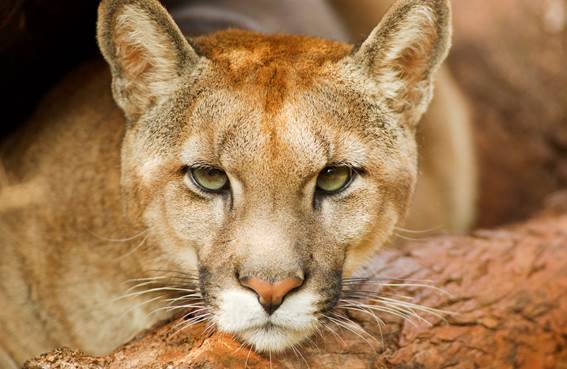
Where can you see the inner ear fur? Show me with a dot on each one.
(404, 51)
(146, 51)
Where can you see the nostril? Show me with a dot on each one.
(271, 295)
(284, 287)
(262, 288)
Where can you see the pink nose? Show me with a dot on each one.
(269, 294)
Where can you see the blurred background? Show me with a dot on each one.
(509, 57)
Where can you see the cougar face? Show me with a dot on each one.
(272, 166)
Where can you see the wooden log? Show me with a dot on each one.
(506, 290)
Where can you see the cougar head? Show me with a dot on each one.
(271, 165)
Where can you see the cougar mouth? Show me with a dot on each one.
(274, 338)
(240, 313)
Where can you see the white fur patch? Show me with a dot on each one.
(239, 310)
(149, 169)
(192, 149)
(297, 311)
(273, 339)
(240, 313)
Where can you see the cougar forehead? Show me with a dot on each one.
(277, 98)
(245, 54)
(282, 64)
(232, 130)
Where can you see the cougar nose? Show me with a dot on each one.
(270, 295)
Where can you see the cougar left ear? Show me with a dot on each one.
(403, 52)
(145, 50)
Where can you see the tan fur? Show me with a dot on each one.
(112, 201)
(445, 198)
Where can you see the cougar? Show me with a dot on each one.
(240, 174)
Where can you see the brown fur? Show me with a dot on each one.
(445, 198)
(282, 62)
(271, 111)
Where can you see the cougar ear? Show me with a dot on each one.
(146, 52)
(403, 52)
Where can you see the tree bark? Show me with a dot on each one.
(506, 290)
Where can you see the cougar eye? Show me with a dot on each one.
(334, 178)
(209, 179)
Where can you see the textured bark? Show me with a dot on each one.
(507, 289)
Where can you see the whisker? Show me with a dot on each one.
(292, 347)
(430, 310)
(137, 306)
(387, 279)
(102, 238)
(353, 298)
(143, 284)
(247, 357)
(403, 310)
(191, 274)
(301, 355)
(435, 312)
(237, 349)
(413, 239)
(333, 331)
(174, 289)
(138, 293)
(173, 308)
(145, 279)
(400, 314)
(313, 344)
(418, 231)
(178, 279)
(350, 326)
(136, 248)
(210, 329)
(194, 303)
(364, 310)
(185, 297)
(192, 312)
(188, 323)
(415, 284)
(365, 295)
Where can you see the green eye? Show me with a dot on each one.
(209, 179)
(334, 179)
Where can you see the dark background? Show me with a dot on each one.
(40, 41)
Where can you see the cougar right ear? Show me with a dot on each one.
(146, 51)
(404, 51)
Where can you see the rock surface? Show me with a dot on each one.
(506, 290)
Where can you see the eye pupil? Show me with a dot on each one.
(334, 178)
(209, 178)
